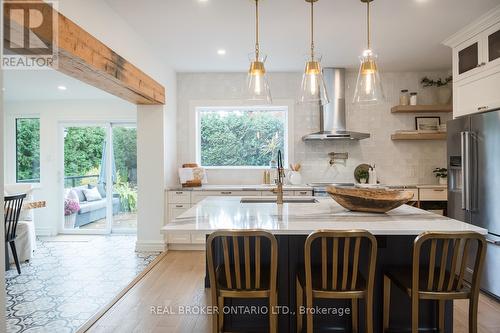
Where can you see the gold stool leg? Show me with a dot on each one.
(354, 315)
(300, 299)
(441, 316)
(309, 316)
(369, 313)
(473, 303)
(273, 316)
(221, 312)
(414, 314)
(387, 302)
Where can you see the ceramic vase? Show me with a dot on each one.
(69, 221)
(444, 95)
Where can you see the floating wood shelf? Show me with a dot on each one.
(421, 108)
(418, 136)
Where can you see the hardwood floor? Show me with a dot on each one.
(177, 280)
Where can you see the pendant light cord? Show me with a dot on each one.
(312, 31)
(257, 46)
(368, 24)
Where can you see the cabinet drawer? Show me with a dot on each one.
(175, 210)
(433, 194)
(271, 193)
(179, 238)
(179, 197)
(200, 195)
(198, 238)
(303, 193)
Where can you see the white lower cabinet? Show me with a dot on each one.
(179, 238)
(175, 210)
(433, 194)
(198, 238)
(197, 196)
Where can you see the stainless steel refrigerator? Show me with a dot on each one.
(474, 184)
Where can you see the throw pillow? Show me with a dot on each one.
(92, 194)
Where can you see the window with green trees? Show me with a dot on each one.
(241, 137)
(27, 150)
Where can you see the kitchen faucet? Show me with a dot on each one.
(279, 180)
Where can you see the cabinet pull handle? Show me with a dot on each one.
(179, 206)
(225, 192)
(482, 108)
(179, 192)
(438, 190)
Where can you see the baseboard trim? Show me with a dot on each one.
(186, 247)
(122, 293)
(45, 232)
(150, 246)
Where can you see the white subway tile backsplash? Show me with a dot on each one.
(397, 162)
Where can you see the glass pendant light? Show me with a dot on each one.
(312, 88)
(369, 86)
(257, 89)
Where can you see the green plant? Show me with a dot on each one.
(426, 82)
(362, 174)
(128, 196)
(241, 138)
(440, 172)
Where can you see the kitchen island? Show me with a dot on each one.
(292, 222)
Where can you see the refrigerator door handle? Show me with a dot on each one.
(467, 184)
(464, 170)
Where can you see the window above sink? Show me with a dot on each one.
(241, 137)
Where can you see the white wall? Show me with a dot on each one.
(52, 114)
(2, 250)
(101, 21)
(397, 162)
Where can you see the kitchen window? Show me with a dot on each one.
(241, 137)
(27, 150)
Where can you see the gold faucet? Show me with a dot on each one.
(279, 180)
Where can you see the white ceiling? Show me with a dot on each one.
(43, 85)
(406, 33)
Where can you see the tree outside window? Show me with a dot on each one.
(27, 150)
(241, 137)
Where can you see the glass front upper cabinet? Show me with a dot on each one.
(468, 58)
(493, 43)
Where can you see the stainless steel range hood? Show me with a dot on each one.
(332, 115)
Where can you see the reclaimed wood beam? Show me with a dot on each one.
(85, 58)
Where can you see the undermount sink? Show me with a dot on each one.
(273, 200)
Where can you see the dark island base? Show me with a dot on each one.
(392, 251)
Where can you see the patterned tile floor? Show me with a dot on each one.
(69, 280)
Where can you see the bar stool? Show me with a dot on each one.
(441, 283)
(233, 279)
(325, 281)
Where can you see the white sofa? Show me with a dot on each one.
(26, 237)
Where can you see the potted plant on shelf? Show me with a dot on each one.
(443, 91)
(362, 175)
(71, 207)
(442, 175)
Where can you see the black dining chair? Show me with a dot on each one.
(12, 210)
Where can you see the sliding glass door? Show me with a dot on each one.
(100, 178)
(125, 177)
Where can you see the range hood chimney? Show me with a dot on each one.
(333, 114)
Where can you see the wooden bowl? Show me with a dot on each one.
(368, 199)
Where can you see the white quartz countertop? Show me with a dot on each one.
(257, 187)
(302, 218)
